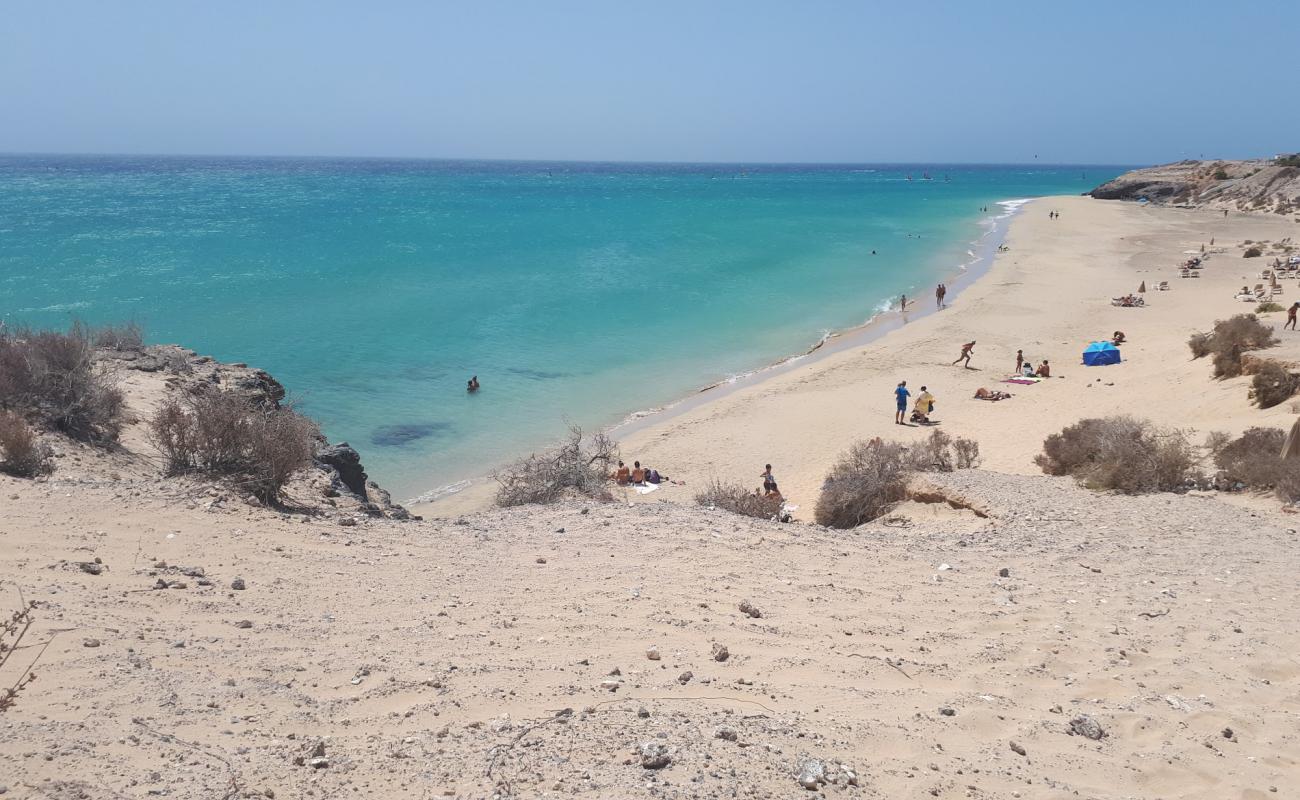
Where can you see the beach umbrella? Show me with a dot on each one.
(1100, 354)
(1142, 287)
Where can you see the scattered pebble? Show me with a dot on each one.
(655, 755)
(720, 652)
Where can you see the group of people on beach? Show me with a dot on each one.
(1025, 367)
(920, 412)
(637, 475)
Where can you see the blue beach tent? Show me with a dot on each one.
(1100, 354)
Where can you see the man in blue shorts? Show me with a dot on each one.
(902, 394)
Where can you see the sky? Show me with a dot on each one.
(623, 80)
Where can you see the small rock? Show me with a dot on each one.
(812, 774)
(685, 677)
(318, 763)
(244, 623)
(541, 560)
(238, 584)
(948, 712)
(1004, 573)
(610, 684)
(726, 733)
(160, 584)
(90, 643)
(720, 652)
(652, 653)
(749, 608)
(90, 567)
(561, 530)
(643, 712)
(1227, 733)
(1056, 709)
(1084, 725)
(655, 755)
(1017, 749)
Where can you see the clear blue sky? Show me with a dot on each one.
(1080, 82)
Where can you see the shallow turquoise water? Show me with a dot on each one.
(373, 289)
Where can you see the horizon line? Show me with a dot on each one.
(7, 154)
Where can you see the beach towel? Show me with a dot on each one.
(1023, 381)
(647, 489)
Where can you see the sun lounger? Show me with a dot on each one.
(1186, 273)
(1163, 286)
(1276, 290)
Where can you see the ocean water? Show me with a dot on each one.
(576, 292)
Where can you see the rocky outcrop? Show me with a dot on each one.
(346, 461)
(1264, 185)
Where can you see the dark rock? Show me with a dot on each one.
(1084, 725)
(91, 567)
(347, 522)
(404, 434)
(685, 677)
(346, 463)
(261, 388)
(720, 652)
(948, 712)
(749, 608)
(243, 623)
(1004, 573)
(1017, 749)
(238, 584)
(90, 643)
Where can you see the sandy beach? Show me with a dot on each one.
(1046, 641)
(1048, 295)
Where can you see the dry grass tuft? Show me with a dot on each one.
(1120, 453)
(22, 453)
(738, 500)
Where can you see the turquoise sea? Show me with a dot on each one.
(576, 292)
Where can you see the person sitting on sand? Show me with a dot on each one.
(1044, 371)
(472, 385)
(769, 480)
(638, 473)
(622, 475)
(924, 404)
(1117, 339)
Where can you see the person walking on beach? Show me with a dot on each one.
(901, 394)
(902, 304)
(1290, 316)
(939, 293)
(1020, 360)
(967, 350)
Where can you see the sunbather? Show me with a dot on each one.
(622, 475)
(1044, 371)
(984, 394)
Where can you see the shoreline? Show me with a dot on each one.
(983, 250)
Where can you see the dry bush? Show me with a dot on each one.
(127, 337)
(1273, 384)
(867, 481)
(22, 453)
(738, 500)
(222, 434)
(1269, 307)
(1120, 453)
(52, 377)
(575, 467)
(967, 452)
(1252, 252)
(1200, 344)
(872, 477)
(1254, 461)
(1232, 338)
(12, 631)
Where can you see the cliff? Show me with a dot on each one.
(1264, 185)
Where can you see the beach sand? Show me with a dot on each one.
(1048, 295)
(939, 653)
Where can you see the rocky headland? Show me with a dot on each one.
(1266, 185)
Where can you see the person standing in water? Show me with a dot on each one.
(472, 385)
(902, 304)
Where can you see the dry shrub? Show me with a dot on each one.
(1252, 252)
(1273, 384)
(867, 481)
(224, 435)
(52, 377)
(873, 477)
(127, 337)
(1269, 307)
(1254, 461)
(577, 467)
(1120, 453)
(1230, 339)
(1200, 344)
(22, 453)
(12, 631)
(738, 500)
